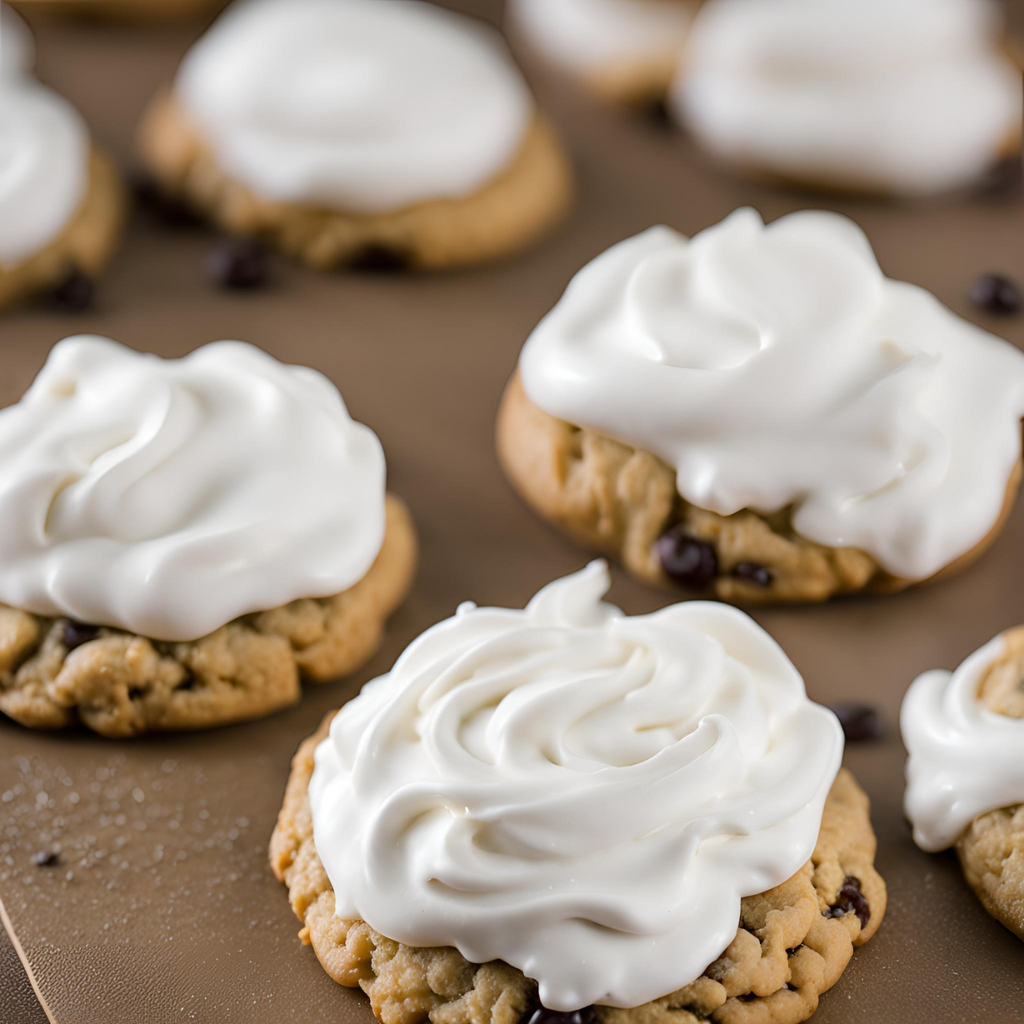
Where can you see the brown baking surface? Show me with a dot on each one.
(162, 907)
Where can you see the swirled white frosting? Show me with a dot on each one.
(777, 367)
(964, 759)
(581, 794)
(589, 35)
(44, 151)
(17, 47)
(167, 497)
(914, 96)
(359, 105)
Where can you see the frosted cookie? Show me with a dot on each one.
(567, 807)
(626, 51)
(906, 98)
(349, 132)
(183, 540)
(964, 732)
(61, 204)
(760, 413)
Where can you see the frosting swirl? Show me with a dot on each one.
(167, 497)
(363, 106)
(566, 788)
(911, 97)
(965, 760)
(778, 368)
(588, 35)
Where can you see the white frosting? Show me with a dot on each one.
(964, 759)
(355, 104)
(590, 35)
(167, 497)
(777, 367)
(17, 47)
(44, 151)
(911, 96)
(581, 794)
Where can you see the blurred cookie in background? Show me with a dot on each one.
(61, 201)
(906, 98)
(626, 51)
(394, 134)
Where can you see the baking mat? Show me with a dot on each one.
(161, 907)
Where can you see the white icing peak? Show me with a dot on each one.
(167, 497)
(964, 759)
(591, 35)
(584, 795)
(775, 367)
(909, 96)
(44, 151)
(358, 105)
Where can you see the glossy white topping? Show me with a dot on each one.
(582, 794)
(777, 367)
(167, 497)
(358, 105)
(591, 35)
(17, 47)
(909, 96)
(964, 759)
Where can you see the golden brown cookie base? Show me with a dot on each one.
(119, 684)
(507, 214)
(785, 954)
(86, 244)
(992, 848)
(619, 500)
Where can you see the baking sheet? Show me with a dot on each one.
(162, 907)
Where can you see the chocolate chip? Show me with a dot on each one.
(74, 634)
(751, 572)
(686, 559)
(170, 212)
(996, 294)
(239, 264)
(73, 294)
(660, 114)
(850, 901)
(542, 1015)
(380, 259)
(46, 859)
(860, 722)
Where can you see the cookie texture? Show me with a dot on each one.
(86, 244)
(792, 943)
(991, 849)
(507, 214)
(620, 500)
(55, 673)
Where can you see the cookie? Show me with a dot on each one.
(965, 782)
(435, 158)
(217, 529)
(826, 96)
(61, 201)
(625, 51)
(685, 409)
(780, 948)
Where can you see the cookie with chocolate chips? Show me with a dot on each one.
(792, 943)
